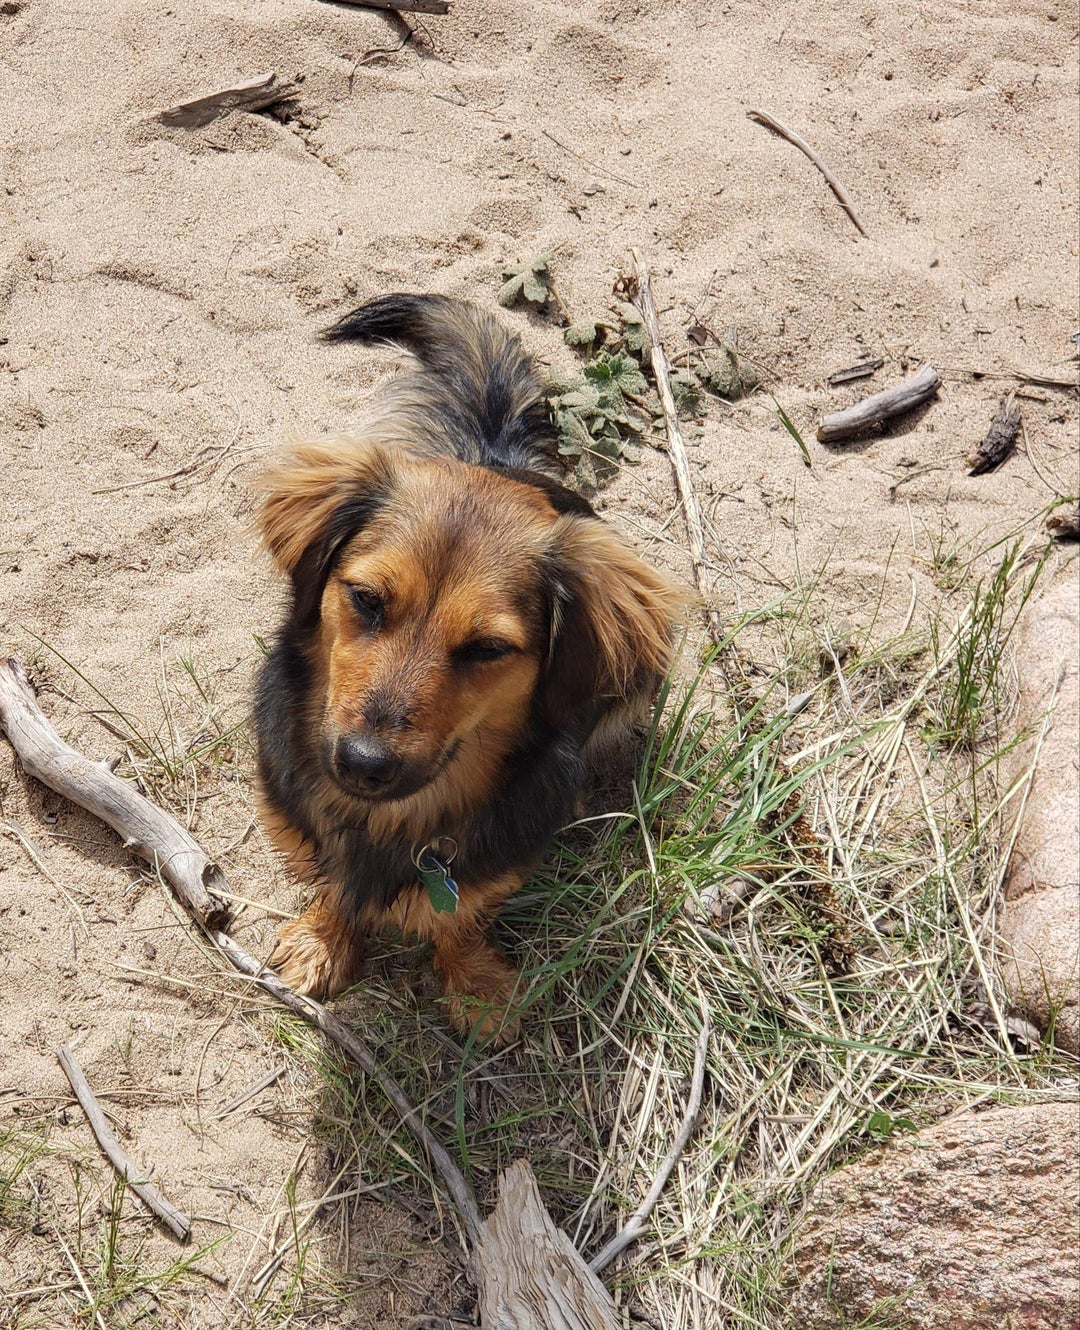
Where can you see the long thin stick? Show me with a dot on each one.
(676, 446)
(169, 1215)
(46, 757)
(837, 188)
(635, 1225)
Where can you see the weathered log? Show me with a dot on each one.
(881, 407)
(253, 95)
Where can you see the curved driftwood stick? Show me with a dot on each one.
(147, 831)
(169, 1215)
(882, 406)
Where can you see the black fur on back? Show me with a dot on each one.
(478, 384)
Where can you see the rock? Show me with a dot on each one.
(1041, 921)
(971, 1225)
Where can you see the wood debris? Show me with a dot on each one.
(884, 406)
(254, 95)
(1000, 438)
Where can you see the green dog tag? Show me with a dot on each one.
(442, 890)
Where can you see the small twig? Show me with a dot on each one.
(881, 407)
(1000, 438)
(595, 166)
(635, 1225)
(263, 1083)
(169, 1215)
(252, 95)
(676, 446)
(865, 369)
(407, 6)
(837, 188)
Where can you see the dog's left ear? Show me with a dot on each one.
(613, 621)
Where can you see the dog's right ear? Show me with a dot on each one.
(314, 499)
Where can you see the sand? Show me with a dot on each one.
(159, 292)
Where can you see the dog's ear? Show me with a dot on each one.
(613, 622)
(314, 499)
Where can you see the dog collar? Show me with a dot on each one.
(433, 870)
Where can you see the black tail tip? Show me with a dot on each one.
(400, 317)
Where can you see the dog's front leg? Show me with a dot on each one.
(319, 954)
(480, 984)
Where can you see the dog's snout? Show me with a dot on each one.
(366, 761)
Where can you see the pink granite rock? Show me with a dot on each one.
(1040, 925)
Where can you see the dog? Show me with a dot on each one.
(463, 629)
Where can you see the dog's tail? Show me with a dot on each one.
(480, 387)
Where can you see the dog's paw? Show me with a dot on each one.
(484, 1010)
(310, 961)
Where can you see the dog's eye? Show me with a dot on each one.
(475, 653)
(368, 605)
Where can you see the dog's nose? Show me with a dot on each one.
(366, 761)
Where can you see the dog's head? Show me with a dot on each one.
(446, 608)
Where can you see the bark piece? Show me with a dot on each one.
(1000, 438)
(253, 95)
(881, 407)
(865, 369)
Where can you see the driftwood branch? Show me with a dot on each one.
(676, 446)
(169, 1215)
(778, 127)
(534, 1278)
(636, 1224)
(253, 95)
(405, 6)
(147, 831)
(881, 407)
(1000, 438)
(525, 1268)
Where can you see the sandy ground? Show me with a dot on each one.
(159, 291)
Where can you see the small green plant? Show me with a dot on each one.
(529, 281)
(880, 1126)
(599, 416)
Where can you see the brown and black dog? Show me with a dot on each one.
(462, 629)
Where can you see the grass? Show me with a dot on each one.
(699, 896)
